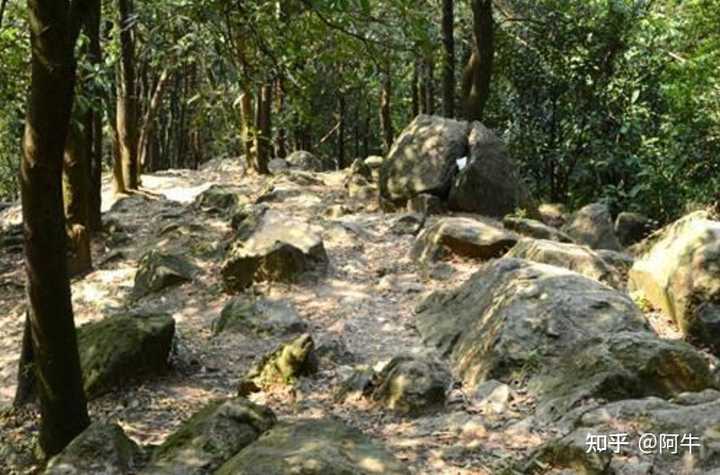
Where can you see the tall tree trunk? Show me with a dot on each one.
(386, 125)
(148, 123)
(422, 87)
(429, 86)
(246, 129)
(93, 123)
(478, 71)
(26, 390)
(56, 360)
(415, 90)
(342, 161)
(127, 103)
(76, 181)
(448, 31)
(263, 138)
(281, 141)
(3, 5)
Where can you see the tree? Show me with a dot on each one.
(127, 104)
(448, 32)
(54, 27)
(478, 71)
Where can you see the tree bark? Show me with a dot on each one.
(448, 31)
(341, 131)
(415, 91)
(386, 125)
(76, 181)
(56, 360)
(429, 87)
(93, 123)
(263, 125)
(148, 122)
(478, 71)
(26, 390)
(246, 132)
(3, 5)
(281, 141)
(127, 109)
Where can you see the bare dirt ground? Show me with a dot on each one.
(365, 300)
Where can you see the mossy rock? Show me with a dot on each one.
(211, 437)
(218, 198)
(314, 447)
(259, 317)
(158, 271)
(101, 448)
(121, 349)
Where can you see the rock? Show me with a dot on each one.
(359, 169)
(158, 271)
(305, 161)
(338, 211)
(535, 229)
(278, 194)
(412, 386)
(407, 223)
(514, 317)
(621, 262)
(314, 447)
(259, 317)
(282, 367)
(120, 349)
(358, 385)
(374, 162)
(624, 365)
(580, 259)
(488, 185)
(101, 448)
(678, 421)
(492, 396)
(462, 237)
(426, 205)
(278, 166)
(218, 198)
(553, 214)
(680, 275)
(361, 191)
(422, 159)
(334, 352)
(632, 227)
(211, 437)
(271, 247)
(592, 226)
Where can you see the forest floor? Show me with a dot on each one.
(365, 300)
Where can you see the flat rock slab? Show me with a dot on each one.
(158, 271)
(463, 237)
(314, 447)
(535, 229)
(272, 247)
(259, 317)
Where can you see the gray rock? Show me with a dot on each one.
(158, 271)
(405, 224)
(553, 214)
(219, 198)
(305, 161)
(427, 205)
(535, 229)
(631, 228)
(119, 350)
(374, 162)
(462, 237)
(210, 438)
(592, 226)
(259, 317)
(314, 447)
(492, 396)
(278, 166)
(101, 448)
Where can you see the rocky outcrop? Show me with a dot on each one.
(271, 246)
(101, 448)
(258, 317)
(119, 350)
(514, 317)
(314, 447)
(210, 438)
(680, 274)
(580, 259)
(593, 226)
(632, 227)
(305, 161)
(534, 229)
(488, 185)
(158, 271)
(462, 237)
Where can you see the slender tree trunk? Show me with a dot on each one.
(478, 71)
(422, 87)
(93, 124)
(415, 91)
(127, 103)
(55, 351)
(429, 87)
(148, 122)
(3, 5)
(281, 141)
(263, 139)
(342, 161)
(386, 125)
(448, 31)
(26, 390)
(246, 132)
(76, 187)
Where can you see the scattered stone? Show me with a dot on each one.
(218, 198)
(580, 259)
(374, 162)
(101, 448)
(271, 247)
(553, 214)
(158, 271)
(426, 205)
(120, 349)
(462, 237)
(259, 317)
(305, 161)
(492, 397)
(535, 229)
(621, 262)
(211, 437)
(631, 228)
(358, 385)
(592, 226)
(422, 159)
(314, 447)
(405, 224)
(680, 275)
(412, 386)
(359, 169)
(361, 191)
(334, 352)
(488, 185)
(278, 194)
(338, 211)
(278, 166)
(282, 367)
(514, 317)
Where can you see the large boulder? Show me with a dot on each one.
(534, 229)
(464, 237)
(314, 447)
(488, 184)
(305, 161)
(514, 317)
(210, 438)
(680, 275)
(631, 228)
(158, 271)
(259, 317)
(580, 259)
(271, 246)
(121, 349)
(422, 159)
(101, 448)
(593, 226)
(643, 436)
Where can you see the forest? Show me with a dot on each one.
(359, 237)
